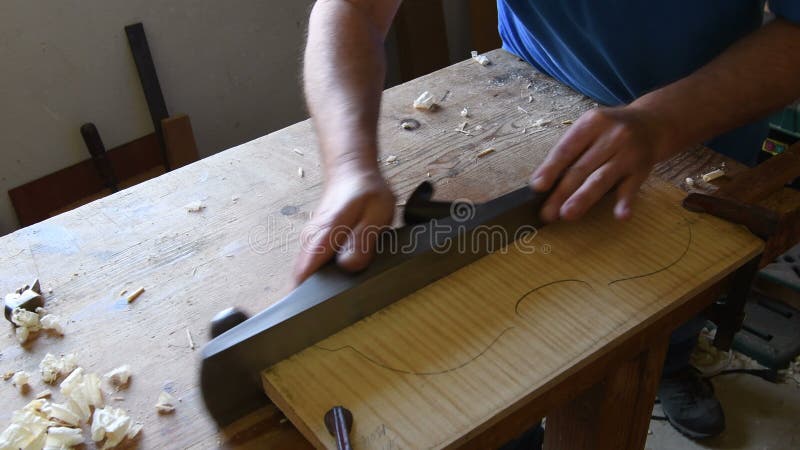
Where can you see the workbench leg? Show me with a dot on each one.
(615, 413)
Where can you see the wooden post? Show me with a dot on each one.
(615, 413)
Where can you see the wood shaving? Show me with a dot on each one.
(689, 181)
(27, 319)
(135, 295)
(566, 122)
(541, 122)
(391, 159)
(713, 175)
(52, 367)
(63, 438)
(297, 150)
(189, 338)
(166, 403)
(300, 172)
(44, 394)
(114, 425)
(195, 206)
(52, 323)
(123, 292)
(22, 334)
(20, 380)
(486, 152)
(118, 377)
(465, 112)
(480, 59)
(425, 101)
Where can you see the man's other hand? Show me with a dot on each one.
(606, 148)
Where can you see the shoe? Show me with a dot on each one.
(688, 401)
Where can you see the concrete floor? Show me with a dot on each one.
(759, 415)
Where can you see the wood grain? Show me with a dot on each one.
(444, 361)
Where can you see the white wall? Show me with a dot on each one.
(231, 65)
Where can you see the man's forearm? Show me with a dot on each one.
(343, 79)
(755, 76)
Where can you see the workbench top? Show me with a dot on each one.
(238, 250)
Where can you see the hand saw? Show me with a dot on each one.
(438, 239)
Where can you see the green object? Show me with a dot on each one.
(787, 120)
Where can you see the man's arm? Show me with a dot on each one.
(617, 147)
(344, 71)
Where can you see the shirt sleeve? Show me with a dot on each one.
(786, 9)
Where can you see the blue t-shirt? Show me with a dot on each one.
(615, 51)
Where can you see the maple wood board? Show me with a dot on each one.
(441, 364)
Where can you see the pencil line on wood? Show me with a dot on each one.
(412, 372)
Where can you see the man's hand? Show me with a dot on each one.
(355, 205)
(343, 80)
(617, 147)
(607, 148)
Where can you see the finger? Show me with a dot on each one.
(574, 177)
(626, 193)
(358, 251)
(360, 248)
(591, 191)
(319, 242)
(569, 148)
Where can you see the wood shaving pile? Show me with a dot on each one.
(28, 322)
(52, 367)
(43, 424)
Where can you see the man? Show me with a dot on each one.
(673, 74)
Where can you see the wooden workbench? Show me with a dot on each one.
(238, 250)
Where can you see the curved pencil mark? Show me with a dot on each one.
(411, 372)
(523, 296)
(668, 266)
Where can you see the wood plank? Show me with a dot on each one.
(179, 140)
(49, 195)
(237, 250)
(443, 362)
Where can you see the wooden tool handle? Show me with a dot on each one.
(760, 221)
(759, 182)
(338, 421)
